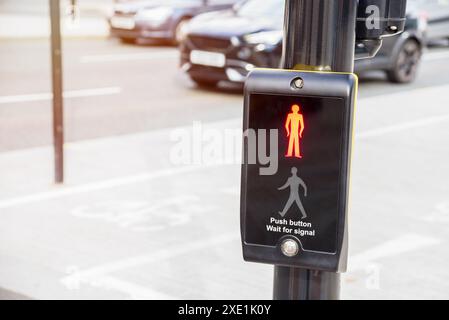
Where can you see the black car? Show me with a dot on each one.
(225, 46)
(160, 20)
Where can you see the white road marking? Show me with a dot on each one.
(147, 176)
(434, 56)
(129, 180)
(168, 54)
(67, 94)
(402, 127)
(101, 185)
(392, 248)
(143, 216)
(100, 275)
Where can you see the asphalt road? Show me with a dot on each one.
(124, 89)
(116, 89)
(129, 223)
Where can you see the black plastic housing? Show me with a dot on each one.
(319, 89)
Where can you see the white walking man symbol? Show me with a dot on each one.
(294, 182)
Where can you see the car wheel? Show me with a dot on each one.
(205, 83)
(128, 40)
(406, 64)
(178, 31)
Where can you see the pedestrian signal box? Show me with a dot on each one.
(298, 131)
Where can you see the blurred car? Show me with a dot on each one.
(159, 20)
(225, 46)
(437, 14)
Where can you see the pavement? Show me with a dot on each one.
(8, 295)
(132, 222)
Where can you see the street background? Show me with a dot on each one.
(129, 224)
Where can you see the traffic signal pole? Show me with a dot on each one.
(58, 118)
(319, 35)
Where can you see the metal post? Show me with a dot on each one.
(318, 35)
(58, 118)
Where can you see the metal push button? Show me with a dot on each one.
(289, 248)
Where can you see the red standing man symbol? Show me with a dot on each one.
(295, 128)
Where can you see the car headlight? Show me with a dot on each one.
(155, 17)
(266, 37)
(183, 30)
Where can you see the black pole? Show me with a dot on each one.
(318, 35)
(58, 118)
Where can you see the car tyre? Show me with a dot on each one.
(406, 63)
(128, 40)
(204, 83)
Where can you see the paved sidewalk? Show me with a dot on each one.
(9, 295)
(128, 224)
(120, 223)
